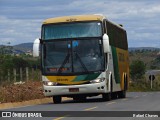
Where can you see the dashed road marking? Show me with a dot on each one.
(110, 103)
(125, 99)
(145, 95)
(90, 108)
(136, 96)
(59, 118)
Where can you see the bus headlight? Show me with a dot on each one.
(98, 80)
(49, 83)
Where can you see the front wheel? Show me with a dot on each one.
(122, 94)
(57, 99)
(106, 96)
(114, 95)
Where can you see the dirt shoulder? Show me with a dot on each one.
(21, 92)
(27, 103)
(26, 94)
(24, 103)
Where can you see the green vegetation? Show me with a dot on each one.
(10, 91)
(155, 64)
(10, 62)
(140, 62)
(143, 85)
(151, 58)
(137, 69)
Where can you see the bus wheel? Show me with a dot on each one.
(122, 94)
(114, 95)
(57, 99)
(106, 96)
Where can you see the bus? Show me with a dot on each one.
(83, 56)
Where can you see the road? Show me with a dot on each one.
(135, 101)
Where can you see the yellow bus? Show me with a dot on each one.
(83, 56)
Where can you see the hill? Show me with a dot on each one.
(29, 46)
(151, 57)
(143, 49)
(24, 47)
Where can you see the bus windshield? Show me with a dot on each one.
(72, 56)
(71, 30)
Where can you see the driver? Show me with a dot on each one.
(92, 53)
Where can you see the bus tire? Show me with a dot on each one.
(126, 83)
(106, 96)
(114, 95)
(122, 94)
(57, 99)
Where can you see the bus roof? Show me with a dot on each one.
(74, 18)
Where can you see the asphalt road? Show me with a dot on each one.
(135, 101)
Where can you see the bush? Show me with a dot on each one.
(137, 69)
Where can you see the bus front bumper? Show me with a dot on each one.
(75, 89)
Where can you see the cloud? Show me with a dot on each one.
(20, 21)
(19, 31)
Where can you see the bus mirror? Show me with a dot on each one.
(36, 48)
(106, 43)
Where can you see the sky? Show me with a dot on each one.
(21, 20)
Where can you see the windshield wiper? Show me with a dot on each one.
(63, 64)
(84, 67)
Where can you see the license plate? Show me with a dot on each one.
(73, 89)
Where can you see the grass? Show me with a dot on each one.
(143, 86)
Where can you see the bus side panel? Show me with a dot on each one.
(115, 64)
(122, 65)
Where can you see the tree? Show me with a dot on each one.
(137, 69)
(155, 64)
(19, 62)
